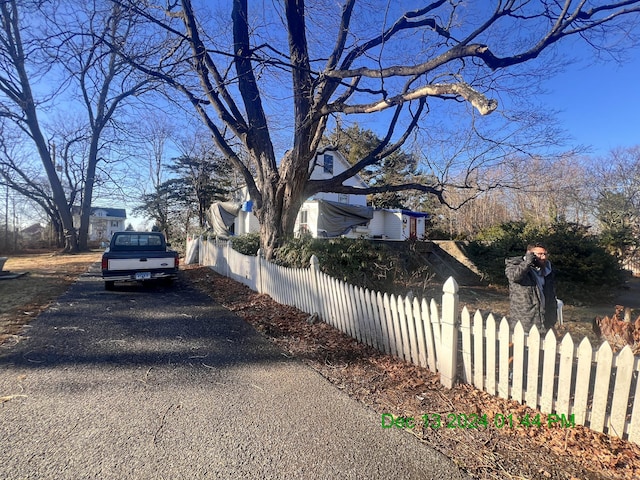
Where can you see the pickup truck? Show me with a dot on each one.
(138, 256)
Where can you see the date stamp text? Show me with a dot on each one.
(477, 421)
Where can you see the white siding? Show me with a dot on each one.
(246, 222)
(376, 224)
(421, 227)
(339, 166)
(392, 225)
(312, 209)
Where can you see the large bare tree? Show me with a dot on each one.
(18, 103)
(81, 36)
(66, 65)
(264, 72)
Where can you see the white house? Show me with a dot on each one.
(327, 214)
(103, 222)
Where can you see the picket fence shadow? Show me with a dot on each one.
(596, 388)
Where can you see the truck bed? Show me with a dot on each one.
(138, 263)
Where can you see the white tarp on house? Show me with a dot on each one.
(221, 216)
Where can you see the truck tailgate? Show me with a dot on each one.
(143, 263)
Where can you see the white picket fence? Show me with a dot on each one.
(577, 383)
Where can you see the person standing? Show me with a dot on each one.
(532, 290)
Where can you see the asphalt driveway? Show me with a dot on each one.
(161, 383)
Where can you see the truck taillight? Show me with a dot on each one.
(177, 262)
(105, 264)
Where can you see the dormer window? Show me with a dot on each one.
(328, 163)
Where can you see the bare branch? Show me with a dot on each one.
(479, 101)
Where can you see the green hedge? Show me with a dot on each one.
(247, 244)
(584, 269)
(374, 265)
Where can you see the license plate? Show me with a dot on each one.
(143, 275)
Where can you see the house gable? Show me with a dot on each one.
(330, 163)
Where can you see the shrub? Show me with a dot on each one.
(377, 266)
(247, 244)
(355, 261)
(583, 267)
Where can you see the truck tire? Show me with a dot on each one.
(109, 285)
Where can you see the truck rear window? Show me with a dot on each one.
(140, 241)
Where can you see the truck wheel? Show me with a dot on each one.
(109, 285)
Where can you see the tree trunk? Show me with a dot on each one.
(59, 197)
(272, 233)
(277, 216)
(87, 194)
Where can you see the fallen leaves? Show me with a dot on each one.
(388, 385)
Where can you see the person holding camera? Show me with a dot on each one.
(532, 290)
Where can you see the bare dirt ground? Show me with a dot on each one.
(383, 383)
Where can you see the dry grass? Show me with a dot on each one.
(47, 276)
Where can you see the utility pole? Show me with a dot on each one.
(6, 218)
(15, 226)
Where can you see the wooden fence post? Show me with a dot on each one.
(314, 265)
(449, 334)
(228, 272)
(259, 270)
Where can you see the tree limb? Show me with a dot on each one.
(484, 105)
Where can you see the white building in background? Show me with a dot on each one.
(103, 222)
(327, 214)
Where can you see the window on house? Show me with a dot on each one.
(328, 163)
(114, 223)
(304, 220)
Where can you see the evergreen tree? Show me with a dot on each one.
(196, 184)
(397, 168)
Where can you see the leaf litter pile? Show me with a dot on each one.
(388, 385)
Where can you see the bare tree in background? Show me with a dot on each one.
(540, 191)
(67, 50)
(615, 183)
(104, 82)
(285, 66)
(18, 103)
(20, 175)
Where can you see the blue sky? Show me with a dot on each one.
(600, 104)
